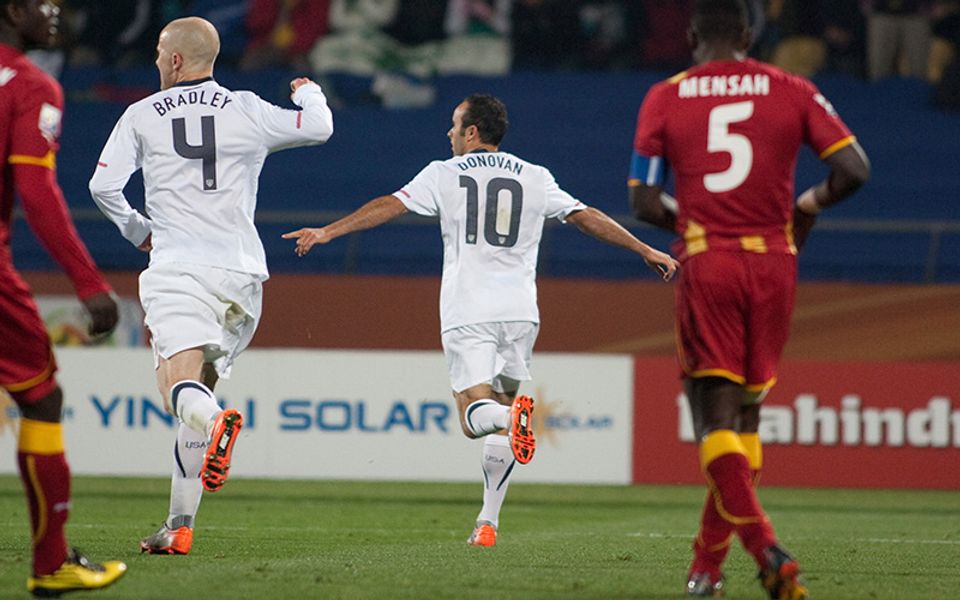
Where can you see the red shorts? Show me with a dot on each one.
(733, 315)
(26, 360)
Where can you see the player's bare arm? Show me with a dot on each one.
(376, 212)
(47, 214)
(649, 205)
(598, 224)
(849, 170)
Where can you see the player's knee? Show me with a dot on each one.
(48, 407)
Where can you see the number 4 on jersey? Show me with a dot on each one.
(206, 151)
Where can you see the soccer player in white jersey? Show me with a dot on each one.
(492, 207)
(201, 147)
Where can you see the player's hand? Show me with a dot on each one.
(307, 238)
(298, 83)
(147, 244)
(662, 264)
(103, 313)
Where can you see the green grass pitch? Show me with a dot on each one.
(273, 540)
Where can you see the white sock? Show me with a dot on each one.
(185, 487)
(485, 416)
(497, 464)
(195, 404)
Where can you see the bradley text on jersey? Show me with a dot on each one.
(168, 103)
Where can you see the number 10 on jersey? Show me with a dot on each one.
(500, 227)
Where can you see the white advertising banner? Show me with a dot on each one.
(342, 415)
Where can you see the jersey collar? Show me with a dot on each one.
(192, 83)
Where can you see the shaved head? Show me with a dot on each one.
(186, 51)
(193, 38)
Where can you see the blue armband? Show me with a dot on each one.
(648, 170)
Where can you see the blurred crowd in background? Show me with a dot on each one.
(403, 43)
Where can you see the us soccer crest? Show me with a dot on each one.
(49, 123)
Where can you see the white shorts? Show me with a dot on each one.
(494, 353)
(196, 306)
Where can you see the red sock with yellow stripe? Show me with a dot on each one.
(727, 466)
(46, 478)
(712, 543)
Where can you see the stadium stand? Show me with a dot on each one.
(903, 227)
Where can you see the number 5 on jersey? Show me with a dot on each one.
(206, 151)
(719, 139)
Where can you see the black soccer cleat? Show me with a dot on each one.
(781, 577)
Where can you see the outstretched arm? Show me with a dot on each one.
(376, 212)
(597, 224)
(849, 169)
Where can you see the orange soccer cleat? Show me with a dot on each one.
(168, 541)
(216, 463)
(521, 435)
(484, 534)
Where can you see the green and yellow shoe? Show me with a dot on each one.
(75, 574)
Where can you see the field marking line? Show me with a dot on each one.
(654, 535)
(307, 528)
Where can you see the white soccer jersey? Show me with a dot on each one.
(201, 148)
(492, 207)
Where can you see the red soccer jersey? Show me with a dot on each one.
(31, 105)
(730, 131)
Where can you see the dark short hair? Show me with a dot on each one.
(489, 114)
(720, 19)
